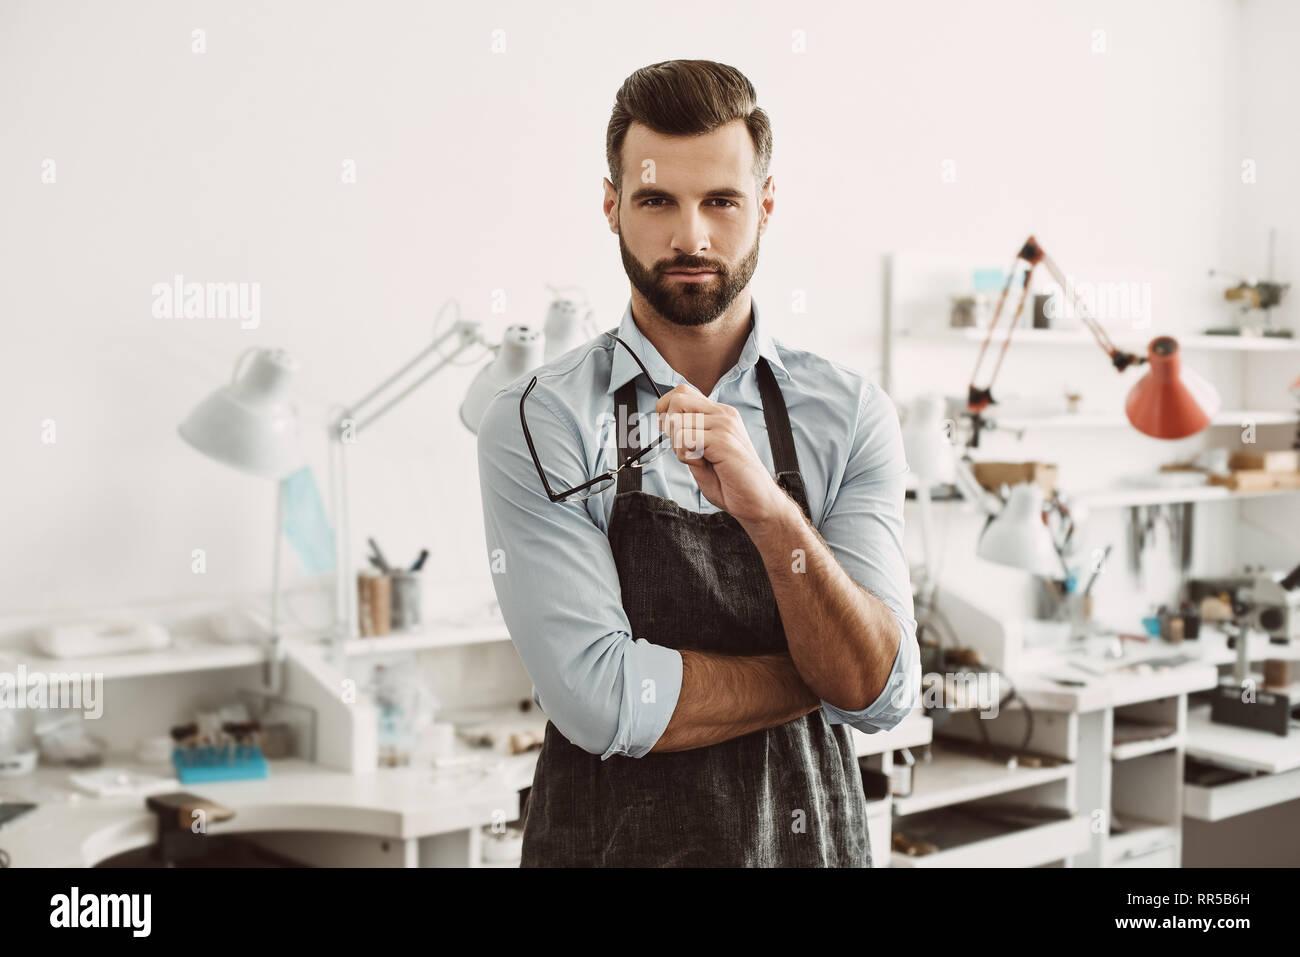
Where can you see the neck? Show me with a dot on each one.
(702, 354)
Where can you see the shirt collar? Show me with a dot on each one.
(624, 367)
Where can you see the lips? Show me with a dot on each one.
(690, 272)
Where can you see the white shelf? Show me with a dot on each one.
(1116, 420)
(953, 777)
(1027, 847)
(1126, 339)
(433, 636)
(1136, 749)
(181, 657)
(194, 655)
(1123, 496)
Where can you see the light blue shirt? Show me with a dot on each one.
(554, 572)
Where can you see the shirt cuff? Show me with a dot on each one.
(901, 694)
(652, 683)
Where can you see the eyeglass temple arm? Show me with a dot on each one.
(532, 450)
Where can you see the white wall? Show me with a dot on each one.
(479, 171)
(1269, 83)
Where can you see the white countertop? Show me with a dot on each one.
(71, 829)
(1125, 681)
(1136, 676)
(1219, 743)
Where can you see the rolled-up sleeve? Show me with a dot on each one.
(558, 587)
(863, 527)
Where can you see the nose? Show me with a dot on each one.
(690, 237)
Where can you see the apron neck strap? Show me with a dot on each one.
(779, 435)
(626, 419)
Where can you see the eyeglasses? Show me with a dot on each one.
(600, 483)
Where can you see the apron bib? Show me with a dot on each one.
(787, 796)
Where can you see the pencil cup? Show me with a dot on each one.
(406, 587)
(1079, 614)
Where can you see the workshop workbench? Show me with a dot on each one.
(391, 817)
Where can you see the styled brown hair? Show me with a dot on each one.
(683, 98)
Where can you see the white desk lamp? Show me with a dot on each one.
(522, 349)
(250, 425)
(567, 325)
(1015, 536)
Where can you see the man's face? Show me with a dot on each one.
(689, 203)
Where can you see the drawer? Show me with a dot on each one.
(1005, 847)
(1215, 802)
(1156, 857)
(1146, 838)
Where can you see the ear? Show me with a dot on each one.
(766, 203)
(610, 205)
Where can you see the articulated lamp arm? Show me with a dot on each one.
(980, 398)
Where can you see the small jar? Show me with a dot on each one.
(406, 588)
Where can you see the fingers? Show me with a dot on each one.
(689, 444)
(698, 425)
(686, 398)
(693, 444)
(669, 421)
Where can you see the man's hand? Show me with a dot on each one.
(710, 438)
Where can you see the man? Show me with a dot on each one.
(702, 627)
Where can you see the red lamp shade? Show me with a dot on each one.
(1170, 402)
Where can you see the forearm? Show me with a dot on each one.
(842, 639)
(727, 696)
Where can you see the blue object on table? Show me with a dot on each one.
(1152, 625)
(305, 523)
(197, 765)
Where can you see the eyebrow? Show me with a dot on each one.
(650, 192)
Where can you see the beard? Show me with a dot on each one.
(690, 303)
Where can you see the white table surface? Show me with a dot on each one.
(71, 829)
(1122, 684)
(1118, 686)
(1206, 740)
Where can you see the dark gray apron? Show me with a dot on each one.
(788, 796)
